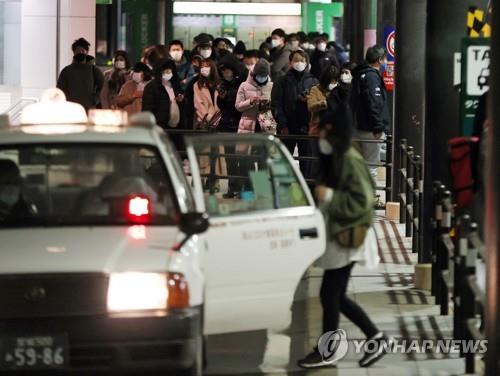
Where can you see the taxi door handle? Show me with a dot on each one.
(308, 233)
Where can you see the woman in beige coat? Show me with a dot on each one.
(130, 96)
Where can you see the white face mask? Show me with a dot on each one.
(9, 195)
(176, 55)
(325, 147)
(250, 67)
(322, 47)
(137, 77)
(205, 71)
(167, 77)
(275, 42)
(206, 53)
(332, 86)
(120, 64)
(300, 66)
(305, 46)
(346, 78)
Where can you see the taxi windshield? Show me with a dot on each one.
(84, 184)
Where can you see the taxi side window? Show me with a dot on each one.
(247, 177)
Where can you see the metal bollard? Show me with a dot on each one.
(416, 207)
(469, 299)
(409, 189)
(442, 256)
(436, 197)
(460, 283)
(402, 181)
(388, 170)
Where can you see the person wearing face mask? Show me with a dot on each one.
(250, 59)
(322, 57)
(205, 93)
(345, 196)
(239, 50)
(163, 96)
(81, 82)
(205, 51)
(265, 51)
(130, 96)
(13, 206)
(324, 97)
(185, 69)
(289, 102)
(114, 79)
(292, 41)
(253, 95)
(369, 104)
(280, 54)
(345, 84)
(230, 116)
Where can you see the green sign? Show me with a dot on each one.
(141, 25)
(229, 25)
(318, 16)
(104, 2)
(475, 79)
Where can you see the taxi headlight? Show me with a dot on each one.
(137, 291)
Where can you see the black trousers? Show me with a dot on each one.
(334, 300)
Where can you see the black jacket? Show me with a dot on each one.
(369, 100)
(81, 83)
(320, 60)
(226, 99)
(289, 112)
(155, 98)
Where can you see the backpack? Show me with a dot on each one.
(460, 150)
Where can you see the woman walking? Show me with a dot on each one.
(345, 195)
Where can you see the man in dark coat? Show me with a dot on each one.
(369, 104)
(289, 104)
(322, 58)
(81, 82)
(280, 54)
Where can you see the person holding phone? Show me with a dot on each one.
(254, 97)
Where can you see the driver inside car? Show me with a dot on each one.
(13, 206)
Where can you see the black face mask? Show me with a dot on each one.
(80, 58)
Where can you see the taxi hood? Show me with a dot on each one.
(86, 249)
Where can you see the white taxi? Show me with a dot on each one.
(107, 258)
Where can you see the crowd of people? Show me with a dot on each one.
(289, 83)
(293, 85)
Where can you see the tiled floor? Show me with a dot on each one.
(389, 297)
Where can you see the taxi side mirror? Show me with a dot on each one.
(194, 223)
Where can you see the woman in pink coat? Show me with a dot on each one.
(253, 96)
(205, 92)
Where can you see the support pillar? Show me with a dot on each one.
(409, 101)
(48, 28)
(446, 26)
(492, 311)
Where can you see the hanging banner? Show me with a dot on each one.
(390, 43)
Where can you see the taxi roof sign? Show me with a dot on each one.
(54, 109)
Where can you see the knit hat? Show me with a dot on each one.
(262, 68)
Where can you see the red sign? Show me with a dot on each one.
(388, 76)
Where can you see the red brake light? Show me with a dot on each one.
(139, 209)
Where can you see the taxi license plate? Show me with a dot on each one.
(34, 352)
